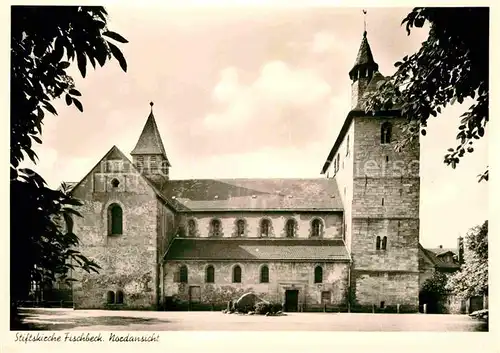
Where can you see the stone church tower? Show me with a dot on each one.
(149, 154)
(380, 192)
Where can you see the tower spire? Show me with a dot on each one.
(149, 154)
(364, 22)
(363, 70)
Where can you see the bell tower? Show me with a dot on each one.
(362, 72)
(149, 154)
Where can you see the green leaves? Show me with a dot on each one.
(472, 279)
(42, 224)
(115, 36)
(450, 66)
(78, 104)
(82, 63)
(118, 56)
(74, 92)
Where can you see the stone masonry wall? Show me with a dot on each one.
(394, 288)
(332, 223)
(282, 276)
(128, 261)
(385, 203)
(344, 179)
(402, 245)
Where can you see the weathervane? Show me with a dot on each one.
(364, 19)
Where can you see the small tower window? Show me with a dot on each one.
(115, 220)
(264, 274)
(382, 201)
(384, 243)
(215, 228)
(316, 228)
(191, 228)
(237, 274)
(347, 146)
(240, 228)
(265, 225)
(318, 274)
(382, 305)
(290, 228)
(140, 163)
(385, 133)
(115, 182)
(210, 274)
(153, 166)
(377, 243)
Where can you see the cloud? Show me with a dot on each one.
(282, 104)
(324, 42)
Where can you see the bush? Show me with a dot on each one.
(263, 308)
(276, 307)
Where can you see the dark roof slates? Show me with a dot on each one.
(246, 249)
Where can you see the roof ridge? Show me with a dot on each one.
(242, 179)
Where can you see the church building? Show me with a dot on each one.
(347, 240)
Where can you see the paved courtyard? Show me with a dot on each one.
(102, 320)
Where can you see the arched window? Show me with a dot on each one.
(385, 133)
(290, 228)
(265, 226)
(237, 274)
(384, 243)
(110, 297)
(115, 220)
(264, 274)
(316, 226)
(240, 228)
(191, 228)
(183, 274)
(119, 297)
(210, 274)
(215, 228)
(377, 245)
(115, 182)
(318, 274)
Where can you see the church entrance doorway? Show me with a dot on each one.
(291, 300)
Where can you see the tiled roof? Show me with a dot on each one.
(257, 249)
(438, 261)
(440, 251)
(365, 56)
(150, 141)
(318, 194)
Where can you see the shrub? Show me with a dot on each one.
(277, 307)
(262, 308)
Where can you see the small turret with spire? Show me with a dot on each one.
(362, 72)
(149, 154)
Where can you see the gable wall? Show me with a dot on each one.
(128, 260)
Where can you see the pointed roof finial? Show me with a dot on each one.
(151, 104)
(364, 22)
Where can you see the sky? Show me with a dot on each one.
(248, 92)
